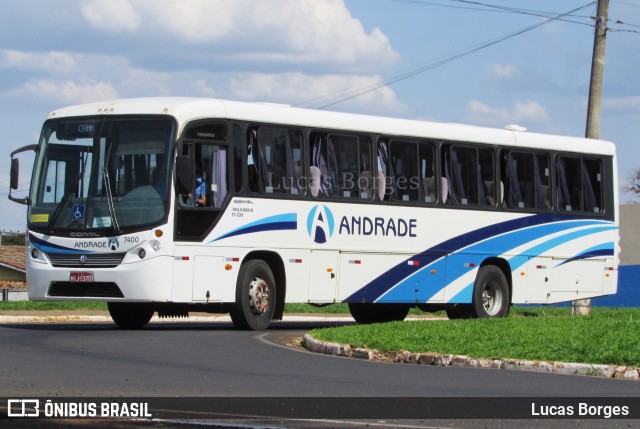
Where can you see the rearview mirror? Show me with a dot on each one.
(15, 173)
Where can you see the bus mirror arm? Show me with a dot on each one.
(15, 173)
(184, 175)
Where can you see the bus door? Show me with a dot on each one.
(203, 170)
(323, 276)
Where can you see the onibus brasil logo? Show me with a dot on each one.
(320, 224)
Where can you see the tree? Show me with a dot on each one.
(633, 183)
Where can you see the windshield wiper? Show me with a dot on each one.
(58, 210)
(112, 209)
(79, 179)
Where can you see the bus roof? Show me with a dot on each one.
(185, 110)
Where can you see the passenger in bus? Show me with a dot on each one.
(201, 190)
(200, 199)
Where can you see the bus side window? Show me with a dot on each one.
(488, 185)
(323, 166)
(275, 160)
(215, 174)
(340, 166)
(519, 180)
(426, 166)
(592, 185)
(366, 181)
(383, 173)
(461, 172)
(526, 180)
(405, 180)
(542, 177)
(569, 183)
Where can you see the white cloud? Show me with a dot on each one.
(67, 91)
(51, 62)
(301, 88)
(622, 104)
(502, 71)
(113, 16)
(203, 89)
(279, 31)
(96, 77)
(522, 112)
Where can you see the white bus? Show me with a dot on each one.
(172, 205)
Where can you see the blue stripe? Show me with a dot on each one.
(45, 246)
(605, 249)
(492, 240)
(282, 222)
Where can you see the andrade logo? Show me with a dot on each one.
(113, 243)
(320, 223)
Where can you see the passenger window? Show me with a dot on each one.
(526, 180)
(469, 176)
(275, 161)
(542, 167)
(426, 165)
(403, 169)
(408, 170)
(592, 185)
(211, 180)
(569, 180)
(488, 193)
(341, 167)
(210, 163)
(461, 173)
(519, 170)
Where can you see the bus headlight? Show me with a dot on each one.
(142, 253)
(156, 245)
(35, 253)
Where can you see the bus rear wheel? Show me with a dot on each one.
(130, 315)
(255, 296)
(378, 313)
(490, 293)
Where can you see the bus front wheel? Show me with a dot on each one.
(255, 296)
(490, 293)
(378, 313)
(130, 315)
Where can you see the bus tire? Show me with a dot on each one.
(255, 296)
(130, 315)
(378, 313)
(490, 293)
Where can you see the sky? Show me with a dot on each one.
(472, 62)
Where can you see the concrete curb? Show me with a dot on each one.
(594, 370)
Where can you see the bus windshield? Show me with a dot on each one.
(107, 173)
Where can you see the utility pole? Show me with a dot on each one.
(583, 306)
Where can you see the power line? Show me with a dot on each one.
(487, 7)
(619, 30)
(463, 53)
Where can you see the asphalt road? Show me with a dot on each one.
(203, 359)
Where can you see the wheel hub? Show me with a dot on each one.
(491, 298)
(259, 296)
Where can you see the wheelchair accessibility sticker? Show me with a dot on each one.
(78, 212)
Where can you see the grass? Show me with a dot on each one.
(50, 305)
(608, 336)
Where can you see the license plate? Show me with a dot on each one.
(81, 277)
